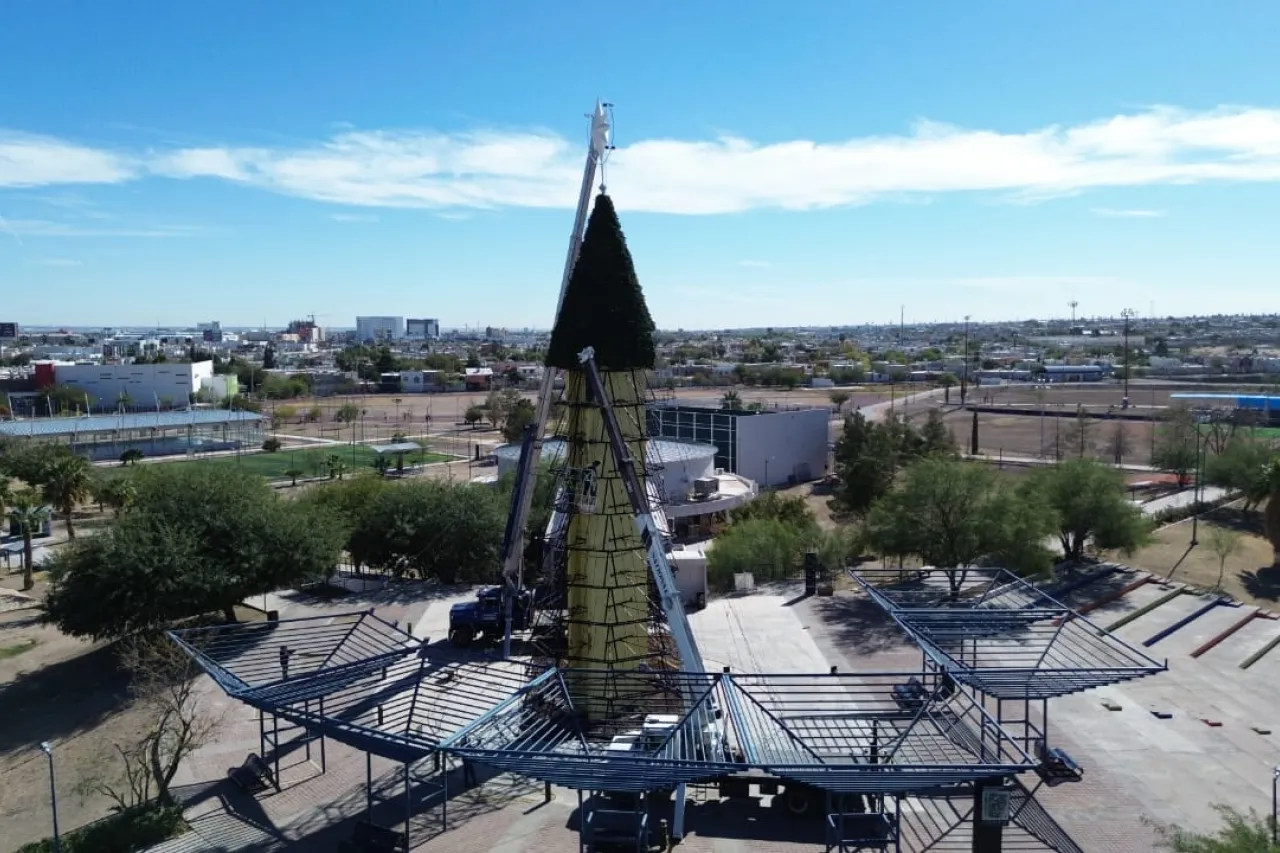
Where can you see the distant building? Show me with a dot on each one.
(768, 447)
(140, 386)
(210, 333)
(422, 330)
(379, 328)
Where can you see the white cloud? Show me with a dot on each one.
(354, 217)
(452, 172)
(1128, 214)
(47, 228)
(27, 160)
(54, 262)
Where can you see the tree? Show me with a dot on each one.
(1226, 544)
(1177, 444)
(769, 548)
(935, 437)
(868, 456)
(950, 513)
(347, 413)
(1240, 833)
(1271, 516)
(67, 484)
(269, 358)
(731, 400)
(1088, 502)
(1118, 443)
(517, 418)
(839, 398)
(335, 466)
(789, 509)
(162, 681)
(473, 416)
(1241, 467)
(1079, 441)
(117, 492)
(603, 293)
(431, 529)
(293, 473)
(28, 512)
(197, 540)
(131, 456)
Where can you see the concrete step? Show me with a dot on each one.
(1146, 625)
(1190, 637)
(1234, 649)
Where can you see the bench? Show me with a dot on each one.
(254, 776)
(371, 838)
(1056, 766)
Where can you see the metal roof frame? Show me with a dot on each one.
(1002, 635)
(364, 682)
(99, 424)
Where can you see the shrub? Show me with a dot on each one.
(123, 832)
(271, 445)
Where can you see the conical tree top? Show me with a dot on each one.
(603, 306)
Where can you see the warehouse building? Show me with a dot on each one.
(140, 386)
(771, 447)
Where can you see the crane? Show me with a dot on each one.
(513, 561)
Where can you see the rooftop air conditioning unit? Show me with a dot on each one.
(705, 487)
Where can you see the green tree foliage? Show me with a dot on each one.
(603, 305)
(28, 512)
(1240, 833)
(429, 529)
(789, 509)
(769, 548)
(1089, 503)
(1241, 467)
(473, 415)
(1271, 516)
(869, 455)
(950, 514)
(518, 417)
(935, 438)
(1177, 444)
(32, 461)
(199, 539)
(116, 491)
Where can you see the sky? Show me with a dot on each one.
(776, 163)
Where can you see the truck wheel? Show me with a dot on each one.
(461, 637)
(797, 801)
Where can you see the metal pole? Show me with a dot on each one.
(47, 749)
(1275, 788)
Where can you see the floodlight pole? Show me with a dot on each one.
(1275, 790)
(47, 749)
(513, 566)
(1126, 314)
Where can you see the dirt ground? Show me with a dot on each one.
(1053, 437)
(1249, 577)
(1100, 395)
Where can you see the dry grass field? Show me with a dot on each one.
(1053, 437)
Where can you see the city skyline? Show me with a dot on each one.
(997, 161)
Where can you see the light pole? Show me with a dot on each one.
(1275, 789)
(1126, 314)
(47, 749)
(964, 381)
(1195, 489)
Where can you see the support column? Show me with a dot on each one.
(677, 824)
(988, 836)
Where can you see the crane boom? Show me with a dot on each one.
(513, 559)
(660, 569)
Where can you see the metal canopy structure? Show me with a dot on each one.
(363, 682)
(993, 631)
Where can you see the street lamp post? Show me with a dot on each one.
(964, 382)
(1126, 314)
(1195, 489)
(47, 749)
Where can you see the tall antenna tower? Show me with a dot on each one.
(1073, 303)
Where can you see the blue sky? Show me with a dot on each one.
(777, 163)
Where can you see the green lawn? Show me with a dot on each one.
(311, 461)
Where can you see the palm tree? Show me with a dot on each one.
(731, 400)
(130, 456)
(66, 485)
(336, 466)
(28, 513)
(1271, 516)
(119, 493)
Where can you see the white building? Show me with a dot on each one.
(771, 448)
(422, 330)
(140, 386)
(379, 328)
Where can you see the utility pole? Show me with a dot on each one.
(1126, 314)
(964, 379)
